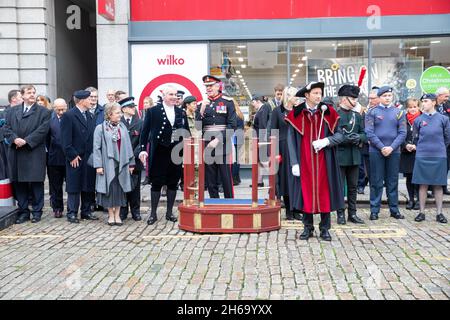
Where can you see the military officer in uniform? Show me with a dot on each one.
(349, 151)
(217, 114)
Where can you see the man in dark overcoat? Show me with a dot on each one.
(77, 130)
(134, 126)
(26, 130)
(56, 161)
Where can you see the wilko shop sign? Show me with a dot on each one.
(170, 60)
(106, 8)
(155, 66)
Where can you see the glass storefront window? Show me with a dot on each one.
(400, 63)
(333, 62)
(247, 68)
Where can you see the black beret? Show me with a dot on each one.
(189, 99)
(348, 90)
(258, 96)
(82, 94)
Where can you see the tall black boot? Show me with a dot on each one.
(341, 216)
(171, 195)
(155, 195)
(289, 213)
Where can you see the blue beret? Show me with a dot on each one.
(127, 102)
(430, 96)
(81, 94)
(383, 90)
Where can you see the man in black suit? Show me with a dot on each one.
(134, 126)
(26, 130)
(163, 129)
(56, 161)
(77, 130)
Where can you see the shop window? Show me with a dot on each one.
(400, 63)
(333, 62)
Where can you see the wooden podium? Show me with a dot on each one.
(197, 214)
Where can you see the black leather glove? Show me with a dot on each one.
(354, 138)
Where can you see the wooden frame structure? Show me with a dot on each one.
(197, 214)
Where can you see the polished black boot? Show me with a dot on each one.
(355, 219)
(341, 216)
(325, 235)
(416, 205)
(171, 195)
(289, 215)
(307, 233)
(298, 215)
(155, 195)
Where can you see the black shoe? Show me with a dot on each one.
(88, 216)
(446, 191)
(298, 216)
(98, 208)
(151, 220)
(171, 218)
(123, 216)
(145, 182)
(73, 219)
(409, 205)
(416, 205)
(430, 195)
(118, 223)
(373, 216)
(441, 218)
(420, 217)
(58, 214)
(22, 219)
(397, 215)
(35, 219)
(355, 219)
(289, 215)
(259, 185)
(360, 190)
(306, 234)
(340, 217)
(325, 235)
(136, 217)
(236, 182)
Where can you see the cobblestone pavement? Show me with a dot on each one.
(386, 259)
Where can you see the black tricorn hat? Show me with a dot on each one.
(348, 90)
(312, 85)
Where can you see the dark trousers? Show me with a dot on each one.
(133, 198)
(364, 170)
(350, 175)
(56, 176)
(325, 221)
(73, 203)
(413, 189)
(24, 191)
(384, 171)
(219, 172)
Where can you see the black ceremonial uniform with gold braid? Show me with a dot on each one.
(219, 115)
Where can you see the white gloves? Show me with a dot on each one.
(296, 170)
(320, 144)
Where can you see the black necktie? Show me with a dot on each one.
(26, 110)
(84, 115)
(128, 121)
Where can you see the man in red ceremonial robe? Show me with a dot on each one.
(317, 185)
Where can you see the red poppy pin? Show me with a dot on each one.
(424, 123)
(221, 103)
(380, 117)
(135, 133)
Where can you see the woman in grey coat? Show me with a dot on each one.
(114, 162)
